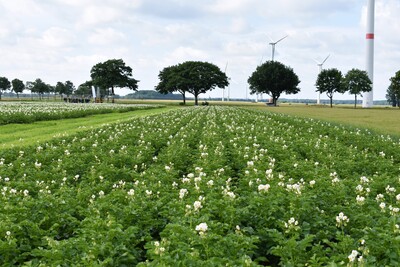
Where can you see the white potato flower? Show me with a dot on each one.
(353, 255)
(263, 187)
(202, 228)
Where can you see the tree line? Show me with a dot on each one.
(105, 76)
(195, 77)
(393, 92)
(355, 82)
(38, 86)
(332, 81)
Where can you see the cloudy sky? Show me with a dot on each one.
(59, 40)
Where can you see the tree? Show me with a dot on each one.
(356, 82)
(66, 88)
(18, 86)
(171, 81)
(4, 85)
(199, 77)
(28, 86)
(392, 97)
(274, 78)
(69, 88)
(395, 86)
(60, 88)
(84, 89)
(195, 77)
(50, 89)
(113, 73)
(329, 81)
(38, 86)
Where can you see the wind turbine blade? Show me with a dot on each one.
(316, 61)
(226, 66)
(261, 61)
(325, 59)
(281, 39)
(270, 39)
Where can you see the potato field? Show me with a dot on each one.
(203, 186)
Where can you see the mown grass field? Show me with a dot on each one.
(380, 120)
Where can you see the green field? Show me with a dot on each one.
(380, 120)
(200, 186)
(384, 120)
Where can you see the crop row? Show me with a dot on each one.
(27, 112)
(205, 186)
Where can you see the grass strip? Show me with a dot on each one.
(379, 120)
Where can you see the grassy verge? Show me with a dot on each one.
(380, 120)
(26, 134)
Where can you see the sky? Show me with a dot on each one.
(60, 40)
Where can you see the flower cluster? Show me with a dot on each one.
(202, 228)
(292, 224)
(341, 220)
(263, 188)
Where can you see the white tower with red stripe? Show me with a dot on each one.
(368, 100)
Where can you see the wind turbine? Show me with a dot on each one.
(223, 89)
(320, 69)
(229, 89)
(368, 98)
(273, 44)
(258, 94)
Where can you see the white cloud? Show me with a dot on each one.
(98, 14)
(181, 54)
(58, 37)
(230, 6)
(245, 47)
(22, 8)
(62, 39)
(173, 9)
(4, 32)
(106, 36)
(239, 25)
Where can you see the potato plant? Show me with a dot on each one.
(28, 112)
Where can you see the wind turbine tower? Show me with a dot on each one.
(273, 46)
(223, 89)
(368, 99)
(320, 69)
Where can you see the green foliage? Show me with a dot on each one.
(330, 81)
(357, 82)
(59, 88)
(28, 112)
(194, 77)
(274, 78)
(113, 73)
(171, 81)
(38, 86)
(18, 86)
(85, 89)
(205, 186)
(66, 88)
(4, 85)
(392, 97)
(394, 89)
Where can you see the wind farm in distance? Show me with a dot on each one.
(342, 37)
